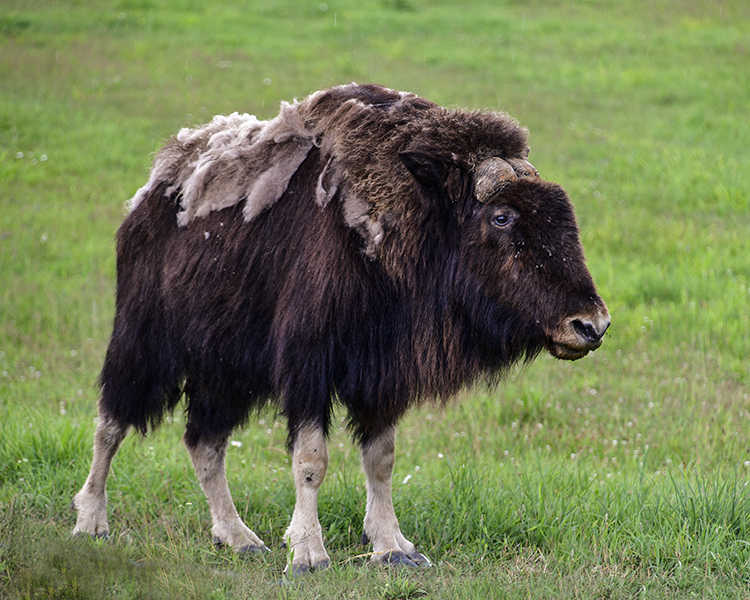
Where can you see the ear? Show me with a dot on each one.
(439, 175)
(426, 169)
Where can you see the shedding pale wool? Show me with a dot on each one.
(232, 158)
(239, 158)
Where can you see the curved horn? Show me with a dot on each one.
(491, 176)
(523, 168)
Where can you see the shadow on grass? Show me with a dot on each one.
(36, 561)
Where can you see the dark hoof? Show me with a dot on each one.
(249, 549)
(300, 570)
(398, 558)
(322, 565)
(420, 559)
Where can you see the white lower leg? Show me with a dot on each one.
(309, 466)
(381, 526)
(91, 501)
(228, 528)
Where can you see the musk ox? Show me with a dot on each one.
(366, 247)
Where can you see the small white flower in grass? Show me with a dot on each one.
(747, 463)
(236, 443)
(440, 455)
(407, 479)
(417, 468)
(44, 238)
(572, 456)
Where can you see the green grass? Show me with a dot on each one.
(622, 475)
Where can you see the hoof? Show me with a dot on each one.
(322, 565)
(398, 558)
(420, 559)
(250, 549)
(301, 569)
(402, 559)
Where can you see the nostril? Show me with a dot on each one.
(587, 331)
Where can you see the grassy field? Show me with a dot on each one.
(622, 475)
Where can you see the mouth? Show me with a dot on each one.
(567, 352)
(576, 336)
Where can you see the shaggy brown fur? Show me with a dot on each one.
(354, 249)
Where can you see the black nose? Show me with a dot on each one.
(588, 330)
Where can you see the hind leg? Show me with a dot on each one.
(91, 501)
(381, 526)
(228, 528)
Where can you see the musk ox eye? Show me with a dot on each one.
(503, 218)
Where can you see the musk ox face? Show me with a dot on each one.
(520, 242)
(541, 273)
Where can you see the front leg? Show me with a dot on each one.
(309, 466)
(381, 526)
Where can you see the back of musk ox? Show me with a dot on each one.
(365, 247)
